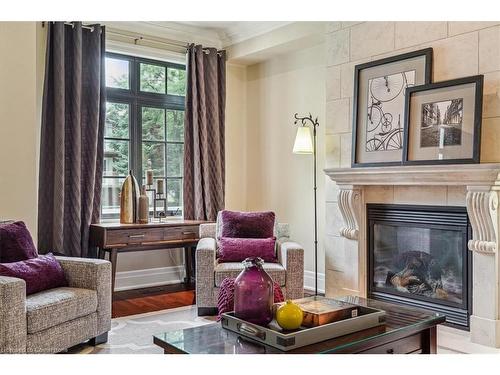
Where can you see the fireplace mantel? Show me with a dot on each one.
(428, 175)
(482, 186)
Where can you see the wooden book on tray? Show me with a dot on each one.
(321, 310)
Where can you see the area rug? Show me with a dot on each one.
(134, 334)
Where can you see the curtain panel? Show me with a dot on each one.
(204, 133)
(71, 151)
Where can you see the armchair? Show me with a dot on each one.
(288, 272)
(53, 320)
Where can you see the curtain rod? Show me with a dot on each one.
(72, 24)
(137, 38)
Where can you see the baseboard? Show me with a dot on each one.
(127, 280)
(309, 281)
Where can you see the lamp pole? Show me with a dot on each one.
(314, 123)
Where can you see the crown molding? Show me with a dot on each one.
(248, 30)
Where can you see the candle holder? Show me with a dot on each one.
(157, 197)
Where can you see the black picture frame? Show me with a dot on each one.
(427, 53)
(478, 80)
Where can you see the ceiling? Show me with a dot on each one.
(230, 32)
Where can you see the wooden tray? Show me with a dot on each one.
(274, 336)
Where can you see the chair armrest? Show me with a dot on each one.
(291, 256)
(205, 278)
(13, 329)
(207, 230)
(94, 274)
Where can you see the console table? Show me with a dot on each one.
(114, 238)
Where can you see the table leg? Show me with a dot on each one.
(112, 259)
(193, 263)
(187, 264)
(429, 338)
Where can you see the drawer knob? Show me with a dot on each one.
(136, 236)
(187, 233)
(390, 351)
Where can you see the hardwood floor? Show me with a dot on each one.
(139, 301)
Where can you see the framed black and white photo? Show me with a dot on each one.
(443, 122)
(379, 105)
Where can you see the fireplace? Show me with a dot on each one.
(417, 255)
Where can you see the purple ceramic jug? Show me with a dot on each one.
(254, 293)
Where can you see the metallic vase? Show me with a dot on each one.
(129, 200)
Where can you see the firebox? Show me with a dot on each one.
(417, 255)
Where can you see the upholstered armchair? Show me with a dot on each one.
(53, 320)
(288, 272)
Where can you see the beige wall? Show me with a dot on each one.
(460, 49)
(276, 178)
(235, 145)
(21, 73)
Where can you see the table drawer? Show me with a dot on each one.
(133, 236)
(411, 344)
(180, 233)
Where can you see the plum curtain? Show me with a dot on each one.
(71, 151)
(204, 133)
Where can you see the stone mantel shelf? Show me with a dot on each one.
(451, 174)
(481, 180)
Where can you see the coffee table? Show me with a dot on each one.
(407, 330)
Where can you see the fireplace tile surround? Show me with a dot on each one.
(474, 186)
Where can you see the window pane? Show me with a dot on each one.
(152, 78)
(176, 81)
(117, 119)
(116, 158)
(153, 124)
(154, 152)
(110, 198)
(175, 156)
(174, 194)
(117, 73)
(175, 126)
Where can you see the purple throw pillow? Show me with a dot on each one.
(237, 224)
(238, 249)
(16, 243)
(40, 273)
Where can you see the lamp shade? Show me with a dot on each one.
(303, 141)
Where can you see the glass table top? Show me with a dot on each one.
(213, 339)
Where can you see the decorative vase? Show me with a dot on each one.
(143, 206)
(254, 293)
(129, 200)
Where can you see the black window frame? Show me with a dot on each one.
(136, 100)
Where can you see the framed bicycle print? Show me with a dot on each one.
(443, 122)
(379, 106)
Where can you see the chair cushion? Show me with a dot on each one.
(16, 243)
(55, 306)
(223, 270)
(238, 249)
(237, 224)
(42, 273)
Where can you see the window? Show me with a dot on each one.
(144, 128)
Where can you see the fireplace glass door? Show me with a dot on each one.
(418, 255)
(423, 262)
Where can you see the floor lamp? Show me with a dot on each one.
(304, 144)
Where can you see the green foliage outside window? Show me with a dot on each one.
(161, 128)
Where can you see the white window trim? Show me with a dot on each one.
(145, 52)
